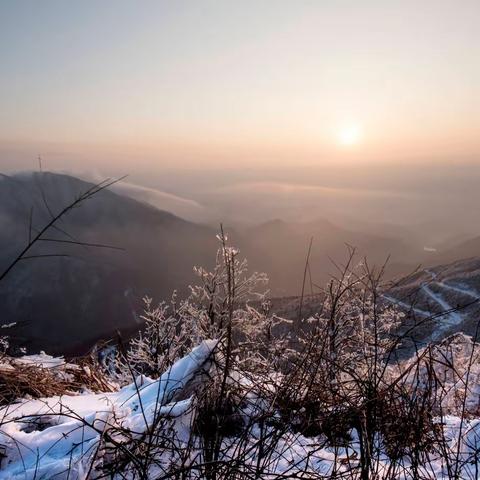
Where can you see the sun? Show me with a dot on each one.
(349, 136)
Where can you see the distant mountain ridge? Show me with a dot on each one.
(466, 248)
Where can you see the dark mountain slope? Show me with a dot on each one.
(63, 304)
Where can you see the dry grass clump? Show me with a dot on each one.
(25, 380)
(29, 381)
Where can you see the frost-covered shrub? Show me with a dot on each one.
(228, 304)
(223, 290)
(448, 371)
(352, 339)
(169, 333)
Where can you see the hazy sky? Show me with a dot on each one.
(186, 83)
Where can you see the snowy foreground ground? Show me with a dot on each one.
(64, 437)
(57, 436)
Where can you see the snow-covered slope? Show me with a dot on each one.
(59, 437)
(446, 297)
